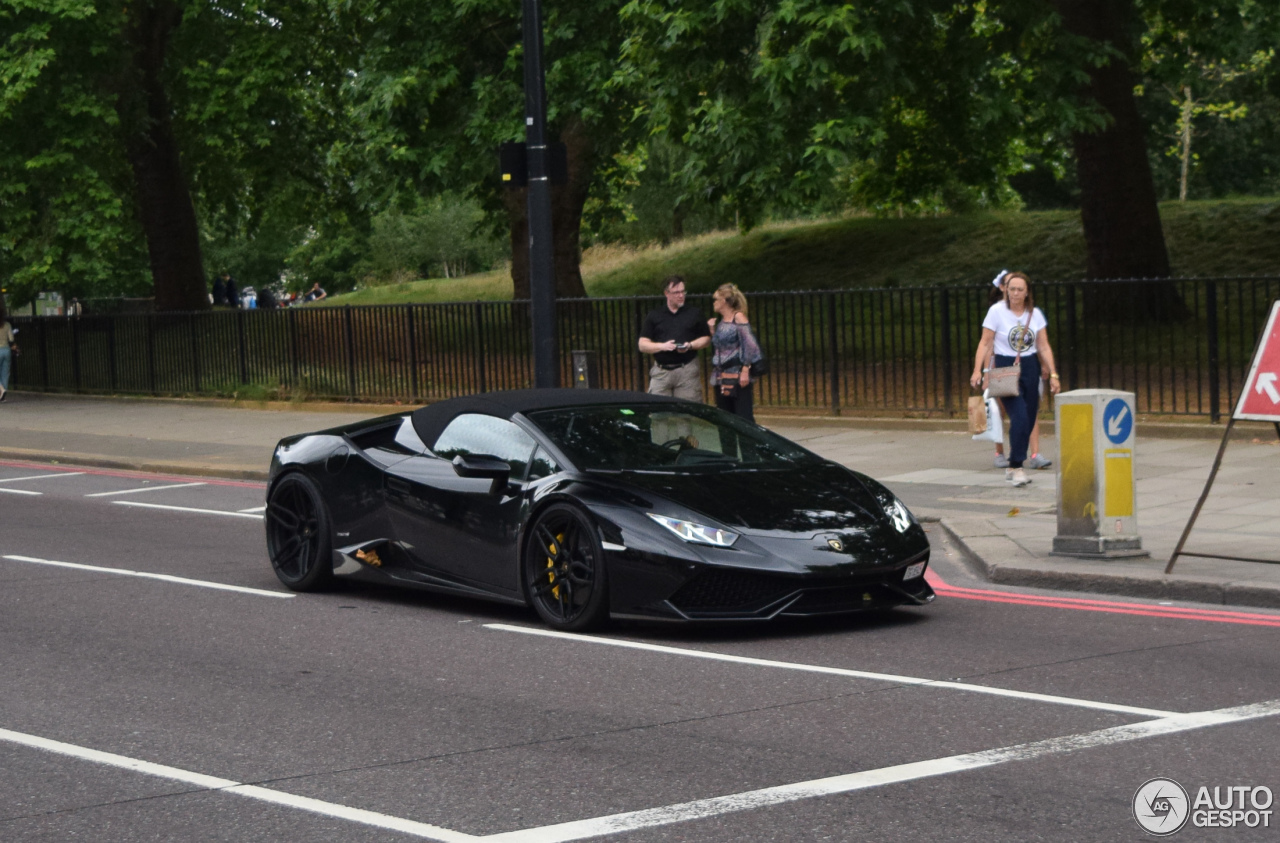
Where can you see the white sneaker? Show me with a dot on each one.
(1016, 476)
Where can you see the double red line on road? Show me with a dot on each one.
(1114, 607)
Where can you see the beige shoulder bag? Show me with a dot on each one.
(1002, 381)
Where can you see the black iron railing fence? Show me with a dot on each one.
(1182, 345)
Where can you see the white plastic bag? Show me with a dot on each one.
(995, 423)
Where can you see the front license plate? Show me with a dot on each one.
(913, 571)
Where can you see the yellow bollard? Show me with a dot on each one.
(1097, 508)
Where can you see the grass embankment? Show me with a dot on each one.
(1222, 237)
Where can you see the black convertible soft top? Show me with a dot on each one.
(431, 420)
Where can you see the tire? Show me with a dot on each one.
(563, 570)
(299, 541)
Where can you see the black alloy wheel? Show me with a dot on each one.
(298, 538)
(564, 572)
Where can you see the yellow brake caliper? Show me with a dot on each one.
(551, 576)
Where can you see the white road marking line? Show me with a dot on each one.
(43, 476)
(187, 509)
(698, 809)
(162, 577)
(716, 806)
(839, 671)
(262, 508)
(143, 489)
(19, 491)
(262, 794)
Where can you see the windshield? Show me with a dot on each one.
(664, 437)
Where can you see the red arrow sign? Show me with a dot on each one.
(1260, 400)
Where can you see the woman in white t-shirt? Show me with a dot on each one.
(1015, 327)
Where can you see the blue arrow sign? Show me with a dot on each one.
(1117, 420)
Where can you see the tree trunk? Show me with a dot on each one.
(517, 204)
(677, 221)
(1118, 205)
(567, 202)
(1188, 110)
(164, 200)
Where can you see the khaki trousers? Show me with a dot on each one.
(685, 382)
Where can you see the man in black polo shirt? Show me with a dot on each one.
(673, 334)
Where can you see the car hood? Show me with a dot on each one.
(790, 502)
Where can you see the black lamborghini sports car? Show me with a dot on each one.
(591, 504)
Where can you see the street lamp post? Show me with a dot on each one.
(542, 283)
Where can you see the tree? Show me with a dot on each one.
(914, 105)
(919, 104)
(119, 115)
(439, 88)
(1117, 195)
(160, 186)
(1202, 58)
(66, 214)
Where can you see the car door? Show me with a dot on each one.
(457, 528)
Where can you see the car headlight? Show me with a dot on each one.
(899, 515)
(696, 533)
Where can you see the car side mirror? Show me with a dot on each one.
(488, 468)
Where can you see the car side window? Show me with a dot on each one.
(541, 465)
(390, 440)
(481, 435)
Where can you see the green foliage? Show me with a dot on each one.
(494, 285)
(256, 258)
(441, 237)
(66, 221)
(308, 130)
(906, 106)
(870, 252)
(251, 86)
(440, 87)
(1211, 95)
(645, 203)
(961, 248)
(328, 257)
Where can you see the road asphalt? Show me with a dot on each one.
(933, 465)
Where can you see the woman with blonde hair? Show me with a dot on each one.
(736, 351)
(1015, 331)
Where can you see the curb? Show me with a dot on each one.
(982, 545)
(1241, 432)
(1190, 429)
(355, 407)
(91, 461)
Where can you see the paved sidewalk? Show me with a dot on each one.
(934, 466)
